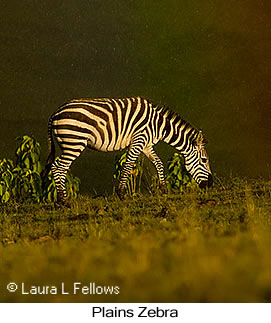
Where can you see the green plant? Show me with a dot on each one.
(178, 178)
(134, 181)
(72, 185)
(28, 154)
(23, 180)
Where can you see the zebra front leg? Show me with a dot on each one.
(151, 154)
(132, 156)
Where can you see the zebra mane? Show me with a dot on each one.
(167, 112)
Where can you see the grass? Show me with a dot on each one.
(200, 246)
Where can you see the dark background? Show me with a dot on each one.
(208, 60)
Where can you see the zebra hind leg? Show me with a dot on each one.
(60, 168)
(59, 171)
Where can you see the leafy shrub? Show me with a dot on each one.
(134, 180)
(23, 180)
(28, 154)
(177, 177)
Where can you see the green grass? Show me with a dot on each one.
(199, 246)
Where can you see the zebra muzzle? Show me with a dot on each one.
(208, 183)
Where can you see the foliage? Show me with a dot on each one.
(177, 177)
(72, 185)
(134, 180)
(28, 154)
(22, 180)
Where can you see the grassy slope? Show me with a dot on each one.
(196, 247)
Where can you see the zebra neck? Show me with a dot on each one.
(179, 134)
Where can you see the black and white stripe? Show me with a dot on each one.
(114, 124)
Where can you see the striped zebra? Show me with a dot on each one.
(114, 124)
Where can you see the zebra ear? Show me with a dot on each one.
(201, 140)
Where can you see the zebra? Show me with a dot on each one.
(107, 124)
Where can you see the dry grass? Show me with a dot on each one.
(197, 247)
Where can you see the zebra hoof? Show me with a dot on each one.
(163, 189)
(63, 203)
(121, 194)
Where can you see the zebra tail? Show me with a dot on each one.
(51, 146)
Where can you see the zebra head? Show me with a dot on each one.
(197, 162)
